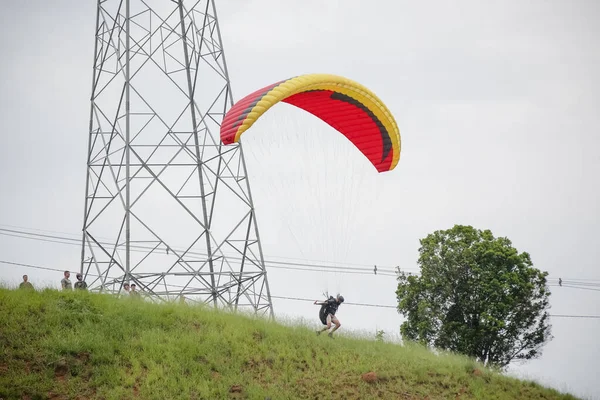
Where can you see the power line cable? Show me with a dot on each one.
(271, 263)
(580, 287)
(390, 306)
(382, 268)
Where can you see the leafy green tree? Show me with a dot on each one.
(476, 295)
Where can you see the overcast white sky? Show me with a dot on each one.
(497, 105)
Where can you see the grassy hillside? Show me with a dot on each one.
(59, 345)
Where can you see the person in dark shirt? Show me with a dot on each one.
(327, 313)
(25, 284)
(80, 284)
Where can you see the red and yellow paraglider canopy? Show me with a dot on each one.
(347, 106)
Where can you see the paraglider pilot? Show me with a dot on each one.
(327, 313)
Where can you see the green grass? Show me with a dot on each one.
(88, 346)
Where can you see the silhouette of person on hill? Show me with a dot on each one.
(80, 284)
(25, 284)
(133, 292)
(66, 282)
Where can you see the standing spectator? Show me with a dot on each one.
(134, 293)
(126, 288)
(80, 284)
(25, 284)
(65, 282)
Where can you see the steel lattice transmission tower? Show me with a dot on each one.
(167, 206)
